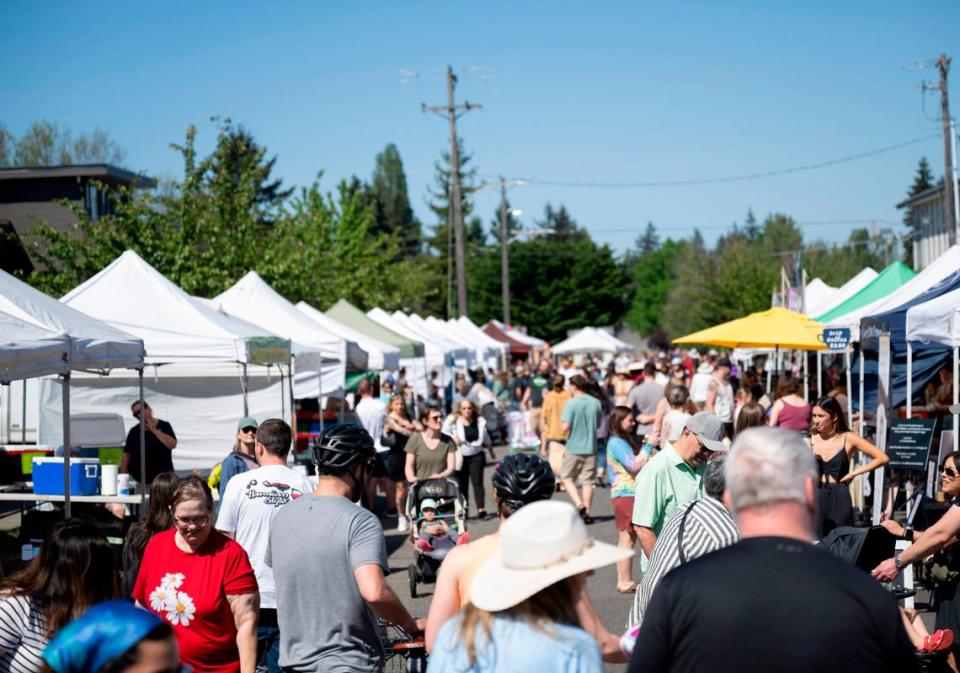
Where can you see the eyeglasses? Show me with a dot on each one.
(248, 430)
(435, 418)
(949, 471)
(201, 520)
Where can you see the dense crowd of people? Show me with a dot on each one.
(718, 484)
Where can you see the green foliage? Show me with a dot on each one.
(557, 284)
(393, 215)
(651, 277)
(47, 143)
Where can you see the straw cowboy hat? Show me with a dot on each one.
(540, 545)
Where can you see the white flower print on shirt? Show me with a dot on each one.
(160, 597)
(173, 580)
(181, 610)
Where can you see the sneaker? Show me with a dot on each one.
(463, 539)
(587, 519)
(938, 641)
(402, 524)
(423, 545)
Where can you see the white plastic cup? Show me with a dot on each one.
(108, 479)
(123, 484)
(26, 552)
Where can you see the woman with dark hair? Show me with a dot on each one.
(430, 453)
(201, 582)
(790, 410)
(399, 424)
(625, 458)
(114, 637)
(834, 447)
(158, 518)
(595, 391)
(751, 415)
(74, 570)
(469, 432)
(522, 614)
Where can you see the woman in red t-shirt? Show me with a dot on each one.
(201, 582)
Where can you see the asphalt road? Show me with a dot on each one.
(612, 607)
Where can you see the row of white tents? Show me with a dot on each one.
(207, 362)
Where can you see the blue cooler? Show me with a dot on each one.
(48, 476)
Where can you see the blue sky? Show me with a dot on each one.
(571, 92)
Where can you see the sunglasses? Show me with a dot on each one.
(248, 430)
(949, 471)
(435, 418)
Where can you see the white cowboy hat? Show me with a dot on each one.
(543, 543)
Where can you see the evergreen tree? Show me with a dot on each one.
(750, 228)
(393, 215)
(922, 181)
(513, 224)
(648, 241)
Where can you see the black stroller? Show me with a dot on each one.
(451, 508)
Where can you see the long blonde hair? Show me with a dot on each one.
(553, 605)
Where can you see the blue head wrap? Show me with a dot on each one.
(100, 635)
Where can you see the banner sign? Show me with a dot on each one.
(837, 339)
(908, 443)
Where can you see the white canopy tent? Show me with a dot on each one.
(94, 346)
(943, 267)
(462, 354)
(434, 359)
(469, 327)
(937, 321)
(483, 353)
(28, 351)
(815, 294)
(843, 293)
(380, 355)
(532, 341)
(253, 300)
(592, 340)
(200, 380)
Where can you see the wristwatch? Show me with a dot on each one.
(908, 534)
(899, 563)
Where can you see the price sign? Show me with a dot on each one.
(837, 339)
(908, 443)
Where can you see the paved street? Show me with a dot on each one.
(613, 607)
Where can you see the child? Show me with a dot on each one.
(436, 538)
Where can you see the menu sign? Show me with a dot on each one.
(908, 443)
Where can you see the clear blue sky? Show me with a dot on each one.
(578, 92)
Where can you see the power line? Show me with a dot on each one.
(730, 178)
(715, 227)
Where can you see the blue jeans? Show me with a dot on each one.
(602, 456)
(268, 644)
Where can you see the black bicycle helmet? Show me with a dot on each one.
(522, 478)
(342, 446)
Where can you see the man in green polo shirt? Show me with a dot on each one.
(674, 477)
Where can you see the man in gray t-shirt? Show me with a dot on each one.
(329, 559)
(644, 398)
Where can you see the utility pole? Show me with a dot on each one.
(504, 252)
(949, 178)
(452, 111)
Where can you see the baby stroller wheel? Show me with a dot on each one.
(412, 575)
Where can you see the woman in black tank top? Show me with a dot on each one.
(834, 447)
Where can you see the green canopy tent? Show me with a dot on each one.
(353, 317)
(886, 282)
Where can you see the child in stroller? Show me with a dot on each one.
(439, 510)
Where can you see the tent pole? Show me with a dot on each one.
(909, 380)
(23, 414)
(65, 402)
(245, 386)
(343, 402)
(849, 375)
(143, 451)
(956, 395)
(819, 374)
(806, 382)
(860, 429)
(293, 413)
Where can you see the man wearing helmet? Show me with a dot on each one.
(329, 559)
(519, 480)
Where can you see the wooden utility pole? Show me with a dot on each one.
(452, 111)
(504, 252)
(950, 216)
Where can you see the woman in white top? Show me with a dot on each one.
(469, 431)
(74, 570)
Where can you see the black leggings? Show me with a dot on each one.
(472, 470)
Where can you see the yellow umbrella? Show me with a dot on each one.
(776, 327)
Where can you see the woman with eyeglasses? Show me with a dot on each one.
(941, 536)
(834, 447)
(200, 581)
(430, 453)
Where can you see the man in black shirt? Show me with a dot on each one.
(159, 440)
(772, 602)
